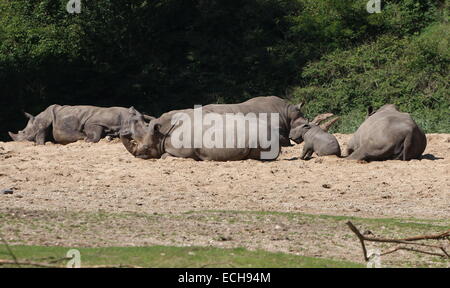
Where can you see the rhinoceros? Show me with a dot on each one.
(136, 139)
(316, 140)
(67, 124)
(175, 134)
(387, 134)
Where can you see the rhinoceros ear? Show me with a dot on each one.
(29, 116)
(300, 106)
(370, 111)
(132, 110)
(154, 128)
(148, 118)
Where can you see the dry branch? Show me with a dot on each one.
(9, 250)
(410, 249)
(327, 125)
(321, 117)
(405, 241)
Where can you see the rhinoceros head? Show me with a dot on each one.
(297, 133)
(30, 131)
(136, 135)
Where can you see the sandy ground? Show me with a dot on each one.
(86, 194)
(103, 176)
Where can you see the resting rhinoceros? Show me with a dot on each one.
(316, 140)
(136, 139)
(387, 134)
(67, 124)
(224, 137)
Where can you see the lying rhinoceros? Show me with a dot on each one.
(387, 134)
(67, 124)
(316, 140)
(139, 143)
(182, 134)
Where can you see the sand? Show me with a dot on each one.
(89, 177)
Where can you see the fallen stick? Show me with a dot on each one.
(9, 250)
(326, 126)
(406, 241)
(321, 117)
(410, 249)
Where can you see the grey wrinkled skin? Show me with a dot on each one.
(67, 124)
(387, 134)
(288, 113)
(155, 141)
(147, 145)
(316, 140)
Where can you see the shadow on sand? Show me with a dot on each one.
(431, 157)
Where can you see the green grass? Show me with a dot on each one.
(175, 257)
(411, 223)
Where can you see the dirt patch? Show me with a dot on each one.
(105, 177)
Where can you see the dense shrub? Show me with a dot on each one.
(411, 72)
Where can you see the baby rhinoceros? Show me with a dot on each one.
(316, 140)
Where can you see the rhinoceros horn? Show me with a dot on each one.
(126, 140)
(13, 136)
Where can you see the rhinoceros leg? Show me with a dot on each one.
(167, 156)
(358, 154)
(307, 152)
(93, 133)
(40, 137)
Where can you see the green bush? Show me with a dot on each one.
(411, 72)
